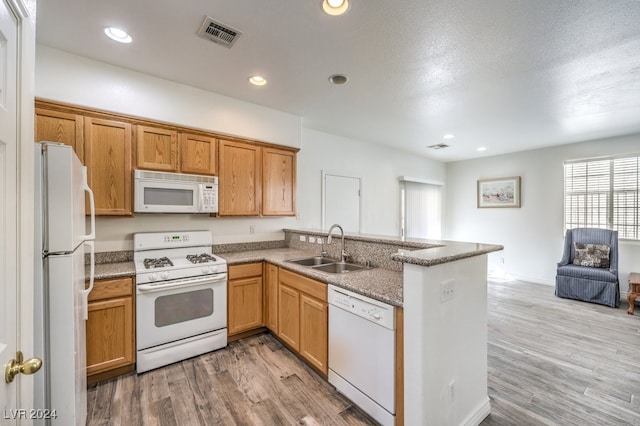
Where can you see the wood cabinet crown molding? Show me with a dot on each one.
(135, 120)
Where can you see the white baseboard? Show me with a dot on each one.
(479, 415)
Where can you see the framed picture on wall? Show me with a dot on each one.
(500, 192)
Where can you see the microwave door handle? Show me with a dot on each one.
(201, 194)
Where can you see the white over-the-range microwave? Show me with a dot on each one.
(159, 192)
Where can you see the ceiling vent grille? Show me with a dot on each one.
(218, 33)
(438, 146)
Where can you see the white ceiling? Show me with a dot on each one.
(509, 75)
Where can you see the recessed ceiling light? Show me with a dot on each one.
(335, 7)
(118, 35)
(257, 80)
(481, 148)
(338, 79)
(448, 136)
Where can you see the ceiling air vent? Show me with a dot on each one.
(218, 33)
(438, 146)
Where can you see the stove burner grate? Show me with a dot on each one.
(157, 263)
(200, 258)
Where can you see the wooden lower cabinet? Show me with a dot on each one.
(244, 299)
(289, 316)
(271, 297)
(110, 329)
(303, 317)
(314, 338)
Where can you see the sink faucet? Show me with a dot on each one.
(342, 252)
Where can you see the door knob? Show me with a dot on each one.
(17, 366)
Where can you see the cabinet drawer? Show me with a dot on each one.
(108, 289)
(306, 285)
(246, 270)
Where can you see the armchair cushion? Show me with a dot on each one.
(593, 255)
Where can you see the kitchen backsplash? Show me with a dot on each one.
(359, 250)
(127, 255)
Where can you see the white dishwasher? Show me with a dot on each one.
(362, 352)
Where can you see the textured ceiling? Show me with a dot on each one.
(508, 75)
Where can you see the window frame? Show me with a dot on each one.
(585, 193)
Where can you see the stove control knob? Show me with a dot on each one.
(164, 275)
(153, 277)
(206, 270)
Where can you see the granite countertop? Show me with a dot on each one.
(378, 283)
(104, 271)
(448, 252)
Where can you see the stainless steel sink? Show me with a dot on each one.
(311, 261)
(326, 264)
(339, 267)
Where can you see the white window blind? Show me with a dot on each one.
(421, 210)
(603, 193)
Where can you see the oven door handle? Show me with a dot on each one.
(150, 288)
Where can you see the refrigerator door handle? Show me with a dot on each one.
(92, 205)
(92, 270)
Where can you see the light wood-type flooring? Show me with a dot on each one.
(551, 362)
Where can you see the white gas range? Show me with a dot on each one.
(181, 297)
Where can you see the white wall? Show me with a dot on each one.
(64, 77)
(533, 234)
(378, 167)
(72, 79)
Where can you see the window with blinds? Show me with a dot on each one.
(603, 193)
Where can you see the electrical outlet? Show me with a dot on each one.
(312, 239)
(252, 229)
(303, 238)
(447, 290)
(502, 260)
(452, 390)
(319, 240)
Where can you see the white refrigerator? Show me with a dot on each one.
(60, 297)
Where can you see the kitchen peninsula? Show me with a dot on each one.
(441, 288)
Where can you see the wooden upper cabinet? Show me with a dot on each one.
(157, 149)
(198, 154)
(278, 182)
(240, 175)
(108, 161)
(61, 127)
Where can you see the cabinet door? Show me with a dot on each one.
(314, 323)
(198, 154)
(110, 334)
(289, 316)
(245, 304)
(108, 161)
(271, 296)
(278, 182)
(157, 149)
(61, 127)
(240, 185)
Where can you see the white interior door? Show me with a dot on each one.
(8, 201)
(341, 202)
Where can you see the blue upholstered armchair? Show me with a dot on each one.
(597, 283)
